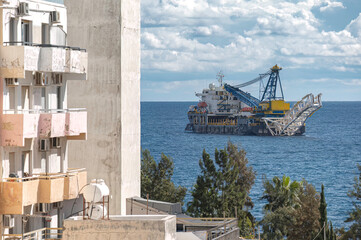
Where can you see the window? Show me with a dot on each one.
(25, 98)
(13, 34)
(43, 98)
(12, 162)
(45, 34)
(59, 98)
(26, 32)
(12, 98)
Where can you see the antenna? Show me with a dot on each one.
(220, 77)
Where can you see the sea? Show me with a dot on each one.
(328, 153)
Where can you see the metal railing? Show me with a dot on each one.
(43, 233)
(38, 111)
(217, 227)
(222, 229)
(37, 176)
(22, 43)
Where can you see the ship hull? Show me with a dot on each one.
(229, 125)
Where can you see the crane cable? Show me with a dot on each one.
(261, 76)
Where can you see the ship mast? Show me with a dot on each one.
(220, 77)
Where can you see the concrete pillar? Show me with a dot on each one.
(110, 31)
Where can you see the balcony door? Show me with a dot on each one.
(25, 160)
(12, 168)
(12, 98)
(13, 31)
(26, 32)
(43, 100)
(25, 98)
(45, 33)
(59, 98)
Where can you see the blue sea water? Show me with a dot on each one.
(327, 153)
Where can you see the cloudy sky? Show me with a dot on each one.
(186, 42)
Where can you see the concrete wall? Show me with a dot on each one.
(231, 235)
(110, 31)
(118, 227)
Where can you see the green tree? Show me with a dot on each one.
(306, 217)
(283, 200)
(323, 213)
(281, 193)
(355, 215)
(205, 195)
(223, 187)
(156, 179)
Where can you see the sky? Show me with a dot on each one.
(185, 43)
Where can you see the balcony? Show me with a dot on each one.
(43, 188)
(43, 233)
(17, 193)
(22, 124)
(42, 58)
(75, 180)
(51, 188)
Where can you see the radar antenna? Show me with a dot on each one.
(220, 77)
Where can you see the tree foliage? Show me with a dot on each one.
(291, 210)
(323, 212)
(355, 215)
(157, 179)
(281, 193)
(306, 216)
(282, 196)
(223, 187)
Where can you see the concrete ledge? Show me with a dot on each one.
(121, 227)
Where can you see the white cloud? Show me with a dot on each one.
(240, 35)
(352, 82)
(355, 27)
(165, 87)
(331, 5)
(347, 82)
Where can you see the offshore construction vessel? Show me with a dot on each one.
(227, 109)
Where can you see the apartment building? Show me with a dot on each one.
(38, 189)
(110, 31)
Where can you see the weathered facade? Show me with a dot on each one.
(110, 31)
(38, 189)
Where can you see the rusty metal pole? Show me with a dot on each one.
(103, 207)
(131, 206)
(83, 208)
(108, 205)
(147, 202)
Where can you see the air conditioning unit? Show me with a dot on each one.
(8, 221)
(55, 142)
(40, 79)
(23, 9)
(54, 17)
(57, 78)
(11, 82)
(42, 208)
(57, 205)
(43, 145)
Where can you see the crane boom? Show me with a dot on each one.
(243, 96)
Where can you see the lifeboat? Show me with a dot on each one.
(202, 105)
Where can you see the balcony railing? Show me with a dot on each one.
(38, 111)
(40, 188)
(17, 193)
(21, 124)
(43, 233)
(43, 45)
(16, 59)
(74, 181)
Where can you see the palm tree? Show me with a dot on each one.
(281, 193)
